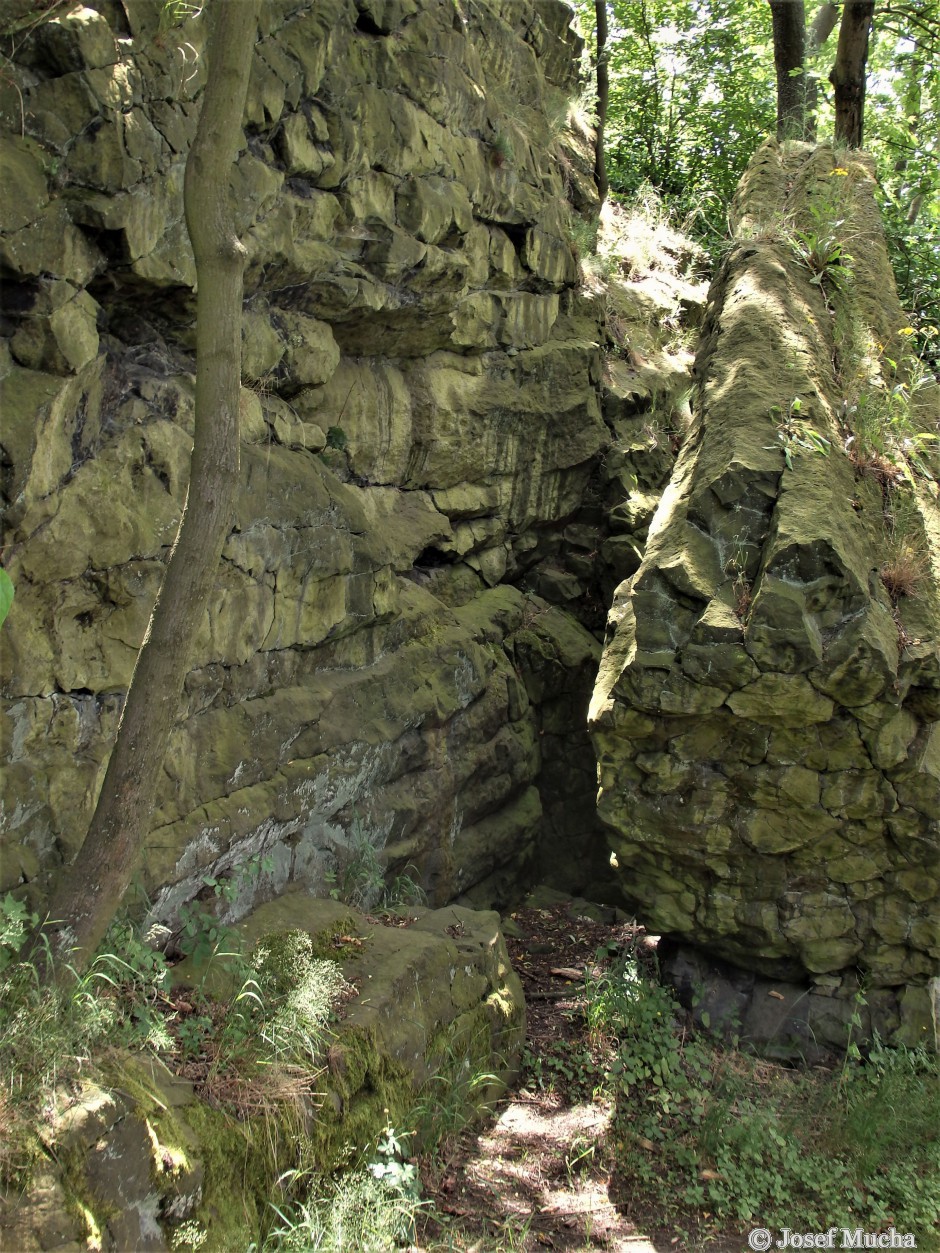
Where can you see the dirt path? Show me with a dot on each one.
(538, 1177)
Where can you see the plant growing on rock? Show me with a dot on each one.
(794, 433)
(502, 149)
(888, 436)
(905, 565)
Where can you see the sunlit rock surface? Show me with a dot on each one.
(765, 718)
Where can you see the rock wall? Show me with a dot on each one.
(446, 481)
(421, 417)
(766, 720)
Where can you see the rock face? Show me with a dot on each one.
(421, 417)
(766, 721)
(444, 486)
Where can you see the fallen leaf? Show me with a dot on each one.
(707, 1175)
(646, 1144)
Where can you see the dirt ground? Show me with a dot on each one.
(540, 1174)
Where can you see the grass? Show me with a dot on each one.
(256, 1051)
(905, 566)
(705, 1140)
(371, 1209)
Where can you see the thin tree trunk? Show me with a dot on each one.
(603, 98)
(92, 887)
(848, 73)
(822, 26)
(789, 28)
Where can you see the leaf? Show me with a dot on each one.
(6, 594)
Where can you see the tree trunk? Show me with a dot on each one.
(603, 97)
(91, 889)
(789, 28)
(820, 29)
(848, 73)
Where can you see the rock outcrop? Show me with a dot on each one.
(421, 415)
(445, 484)
(138, 1153)
(765, 718)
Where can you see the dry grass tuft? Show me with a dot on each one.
(904, 570)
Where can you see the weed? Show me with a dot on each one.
(176, 12)
(189, 1235)
(502, 148)
(905, 564)
(257, 1050)
(372, 1209)
(903, 572)
(706, 1138)
(336, 437)
(818, 242)
(359, 876)
(887, 437)
(794, 433)
(582, 232)
(456, 1096)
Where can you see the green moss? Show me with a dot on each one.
(89, 1211)
(240, 1170)
(365, 1090)
(288, 950)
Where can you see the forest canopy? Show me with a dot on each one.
(692, 93)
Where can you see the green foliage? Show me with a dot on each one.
(47, 1033)
(692, 94)
(793, 433)
(273, 1023)
(561, 1067)
(503, 150)
(16, 922)
(300, 991)
(706, 1137)
(356, 1211)
(903, 134)
(372, 1209)
(336, 437)
(359, 876)
(455, 1097)
(176, 12)
(583, 236)
(203, 937)
(819, 242)
(888, 434)
(691, 97)
(6, 595)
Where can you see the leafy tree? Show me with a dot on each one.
(691, 96)
(91, 888)
(694, 89)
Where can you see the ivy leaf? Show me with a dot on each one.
(6, 595)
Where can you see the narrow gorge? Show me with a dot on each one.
(552, 563)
